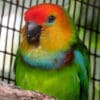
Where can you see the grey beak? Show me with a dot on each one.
(33, 32)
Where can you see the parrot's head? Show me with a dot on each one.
(48, 26)
(47, 35)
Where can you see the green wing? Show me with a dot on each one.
(82, 58)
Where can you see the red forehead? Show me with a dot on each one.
(36, 15)
(41, 12)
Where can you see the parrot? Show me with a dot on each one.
(51, 58)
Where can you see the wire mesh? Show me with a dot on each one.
(85, 13)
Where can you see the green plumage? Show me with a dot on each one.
(67, 83)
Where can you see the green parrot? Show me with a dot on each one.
(51, 58)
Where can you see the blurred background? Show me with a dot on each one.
(86, 15)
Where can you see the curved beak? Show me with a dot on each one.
(33, 32)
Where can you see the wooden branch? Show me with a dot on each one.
(11, 92)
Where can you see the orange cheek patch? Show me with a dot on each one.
(54, 39)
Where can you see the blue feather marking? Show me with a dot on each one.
(83, 75)
(79, 59)
(48, 61)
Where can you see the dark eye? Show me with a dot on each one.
(51, 19)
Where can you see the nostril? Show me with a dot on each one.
(40, 26)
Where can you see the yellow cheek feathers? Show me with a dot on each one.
(59, 36)
(56, 41)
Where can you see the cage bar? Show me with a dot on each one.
(79, 10)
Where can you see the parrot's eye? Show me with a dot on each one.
(51, 20)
